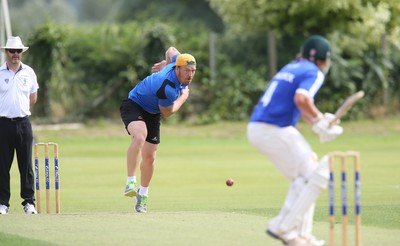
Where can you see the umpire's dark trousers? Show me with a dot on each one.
(16, 136)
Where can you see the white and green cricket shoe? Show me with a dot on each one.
(141, 204)
(130, 189)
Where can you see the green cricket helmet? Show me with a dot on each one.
(315, 48)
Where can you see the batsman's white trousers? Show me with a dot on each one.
(285, 147)
(293, 157)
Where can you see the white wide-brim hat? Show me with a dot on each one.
(14, 43)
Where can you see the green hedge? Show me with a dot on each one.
(85, 71)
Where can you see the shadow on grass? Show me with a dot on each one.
(13, 240)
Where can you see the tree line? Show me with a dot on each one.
(86, 70)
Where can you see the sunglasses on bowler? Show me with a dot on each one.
(13, 51)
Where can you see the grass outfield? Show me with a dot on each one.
(189, 202)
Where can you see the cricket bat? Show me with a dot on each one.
(347, 104)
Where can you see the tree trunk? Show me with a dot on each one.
(271, 54)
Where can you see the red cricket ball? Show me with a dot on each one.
(230, 182)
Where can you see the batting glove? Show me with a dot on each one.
(326, 132)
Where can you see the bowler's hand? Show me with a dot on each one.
(158, 66)
(185, 92)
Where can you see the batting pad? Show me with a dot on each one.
(316, 184)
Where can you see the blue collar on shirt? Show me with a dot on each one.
(19, 69)
(5, 66)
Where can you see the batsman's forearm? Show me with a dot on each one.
(309, 112)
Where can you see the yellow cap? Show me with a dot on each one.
(185, 60)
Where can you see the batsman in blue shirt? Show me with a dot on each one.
(272, 131)
(160, 94)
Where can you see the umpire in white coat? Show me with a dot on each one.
(18, 91)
